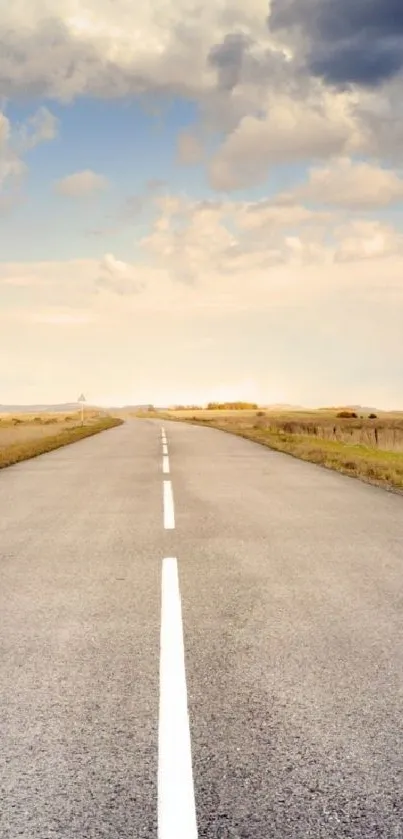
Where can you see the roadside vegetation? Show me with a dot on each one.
(366, 445)
(24, 436)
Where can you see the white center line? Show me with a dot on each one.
(169, 514)
(165, 464)
(164, 448)
(176, 800)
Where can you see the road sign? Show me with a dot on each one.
(81, 400)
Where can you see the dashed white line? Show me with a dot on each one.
(176, 800)
(169, 513)
(164, 448)
(165, 464)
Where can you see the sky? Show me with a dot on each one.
(201, 202)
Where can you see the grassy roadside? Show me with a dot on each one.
(349, 455)
(382, 468)
(25, 449)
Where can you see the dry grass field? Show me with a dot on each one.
(23, 436)
(368, 448)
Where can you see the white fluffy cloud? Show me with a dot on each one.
(81, 184)
(230, 245)
(345, 183)
(290, 130)
(234, 278)
(119, 277)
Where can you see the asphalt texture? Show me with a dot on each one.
(291, 580)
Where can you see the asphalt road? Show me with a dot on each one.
(291, 615)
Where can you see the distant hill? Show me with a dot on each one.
(363, 408)
(132, 408)
(36, 409)
(284, 407)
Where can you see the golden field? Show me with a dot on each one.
(369, 449)
(23, 436)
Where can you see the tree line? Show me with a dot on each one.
(232, 406)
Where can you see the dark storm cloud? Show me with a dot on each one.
(359, 61)
(349, 41)
(228, 58)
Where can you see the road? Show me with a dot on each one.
(198, 631)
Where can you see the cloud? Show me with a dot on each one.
(81, 184)
(273, 214)
(202, 52)
(363, 239)
(70, 293)
(11, 165)
(102, 49)
(227, 58)
(133, 207)
(352, 185)
(361, 61)
(119, 277)
(235, 268)
(42, 127)
(358, 42)
(15, 142)
(252, 83)
(291, 130)
(4, 130)
(321, 86)
(206, 243)
(266, 290)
